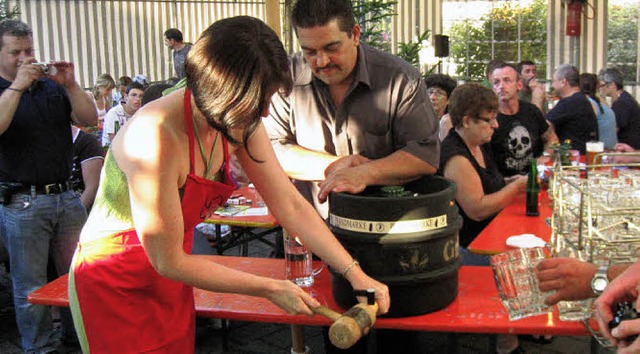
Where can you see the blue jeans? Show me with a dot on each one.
(471, 259)
(34, 227)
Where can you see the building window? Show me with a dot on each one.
(623, 27)
(483, 30)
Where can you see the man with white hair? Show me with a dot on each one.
(573, 117)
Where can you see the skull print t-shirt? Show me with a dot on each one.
(518, 139)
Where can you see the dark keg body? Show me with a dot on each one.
(408, 242)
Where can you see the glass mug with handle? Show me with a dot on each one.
(298, 261)
(517, 283)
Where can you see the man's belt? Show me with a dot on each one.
(53, 188)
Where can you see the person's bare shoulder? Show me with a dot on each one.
(156, 134)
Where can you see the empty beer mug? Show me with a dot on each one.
(517, 283)
(298, 262)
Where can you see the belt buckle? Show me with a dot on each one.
(52, 188)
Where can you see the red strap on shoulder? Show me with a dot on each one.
(227, 159)
(189, 123)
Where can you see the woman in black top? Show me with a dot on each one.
(482, 191)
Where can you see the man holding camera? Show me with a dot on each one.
(40, 216)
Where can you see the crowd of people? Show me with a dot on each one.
(338, 116)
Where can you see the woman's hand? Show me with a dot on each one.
(359, 280)
(520, 182)
(292, 298)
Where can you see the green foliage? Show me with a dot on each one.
(472, 43)
(6, 13)
(375, 18)
(623, 39)
(410, 51)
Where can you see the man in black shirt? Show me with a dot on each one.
(624, 106)
(573, 117)
(522, 131)
(40, 217)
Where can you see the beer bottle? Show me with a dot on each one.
(533, 188)
(116, 126)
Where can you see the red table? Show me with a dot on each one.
(477, 308)
(243, 227)
(511, 221)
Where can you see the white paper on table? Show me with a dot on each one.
(525, 241)
(254, 212)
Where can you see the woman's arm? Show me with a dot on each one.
(297, 216)
(156, 161)
(470, 195)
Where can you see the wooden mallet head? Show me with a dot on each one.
(353, 325)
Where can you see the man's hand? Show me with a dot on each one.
(622, 147)
(569, 277)
(624, 287)
(351, 179)
(536, 86)
(27, 74)
(538, 94)
(64, 74)
(345, 162)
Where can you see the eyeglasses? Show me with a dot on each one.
(493, 119)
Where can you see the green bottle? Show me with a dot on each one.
(116, 126)
(533, 189)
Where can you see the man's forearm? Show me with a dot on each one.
(398, 168)
(304, 164)
(84, 110)
(9, 101)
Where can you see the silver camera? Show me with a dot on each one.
(46, 68)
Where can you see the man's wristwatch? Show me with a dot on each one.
(600, 280)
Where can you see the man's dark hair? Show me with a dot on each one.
(503, 65)
(471, 100)
(154, 92)
(442, 81)
(135, 85)
(312, 13)
(523, 63)
(492, 65)
(613, 75)
(232, 70)
(13, 28)
(173, 33)
(569, 73)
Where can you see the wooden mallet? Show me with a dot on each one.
(349, 327)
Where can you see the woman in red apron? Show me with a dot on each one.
(132, 275)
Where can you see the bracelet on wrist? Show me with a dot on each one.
(14, 89)
(348, 268)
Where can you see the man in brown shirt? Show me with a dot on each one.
(356, 116)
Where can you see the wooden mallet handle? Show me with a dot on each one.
(327, 312)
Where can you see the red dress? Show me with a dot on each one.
(120, 304)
